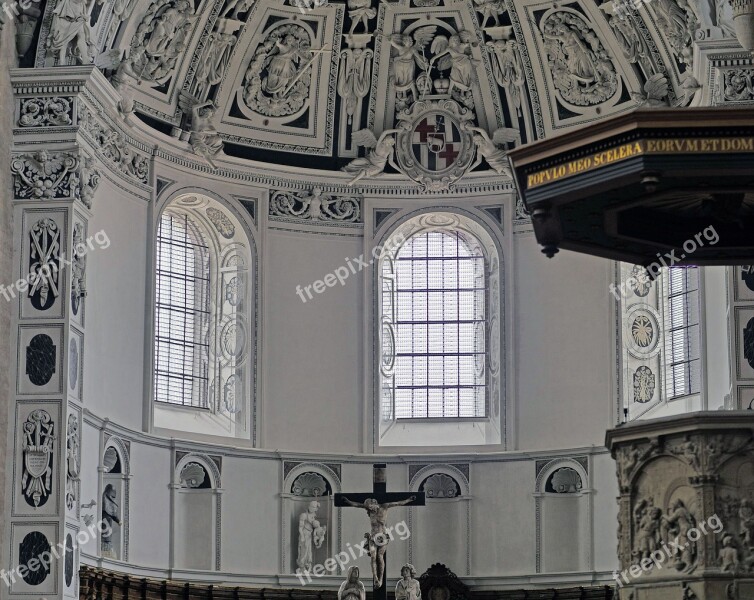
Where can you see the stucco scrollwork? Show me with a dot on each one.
(55, 111)
(315, 206)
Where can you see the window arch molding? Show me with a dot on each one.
(489, 239)
(230, 236)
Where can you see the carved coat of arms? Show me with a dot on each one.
(434, 146)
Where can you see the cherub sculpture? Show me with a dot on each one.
(489, 150)
(382, 152)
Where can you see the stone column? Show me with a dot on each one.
(58, 156)
(686, 509)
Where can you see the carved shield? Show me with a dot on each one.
(36, 460)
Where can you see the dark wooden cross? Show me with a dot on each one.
(376, 503)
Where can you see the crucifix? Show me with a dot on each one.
(376, 503)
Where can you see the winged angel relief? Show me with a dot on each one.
(278, 79)
(581, 68)
(447, 53)
(381, 152)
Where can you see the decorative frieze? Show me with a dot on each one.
(56, 111)
(315, 206)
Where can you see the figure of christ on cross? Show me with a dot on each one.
(377, 503)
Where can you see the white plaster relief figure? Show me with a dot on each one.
(581, 67)
(454, 53)
(382, 151)
(167, 26)
(352, 588)
(489, 150)
(410, 54)
(278, 79)
(212, 65)
(159, 41)
(407, 587)
(204, 139)
(122, 9)
(490, 9)
(311, 534)
(70, 31)
(360, 11)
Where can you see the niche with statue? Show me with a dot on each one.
(114, 501)
(308, 516)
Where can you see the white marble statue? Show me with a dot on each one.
(311, 534)
(70, 31)
(352, 588)
(407, 587)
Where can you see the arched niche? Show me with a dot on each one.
(225, 372)
(304, 483)
(196, 510)
(563, 514)
(115, 479)
(448, 501)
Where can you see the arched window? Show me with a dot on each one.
(181, 312)
(202, 340)
(661, 341)
(440, 333)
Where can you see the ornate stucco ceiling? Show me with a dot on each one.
(430, 88)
